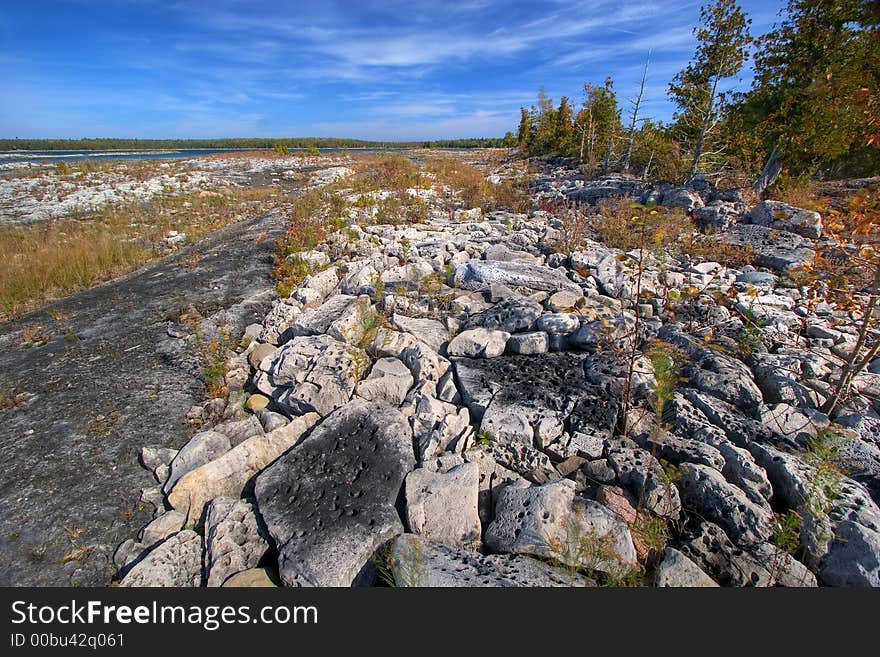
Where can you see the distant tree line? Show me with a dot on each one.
(813, 107)
(105, 144)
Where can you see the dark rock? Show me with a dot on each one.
(329, 503)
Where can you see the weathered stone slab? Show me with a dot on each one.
(329, 503)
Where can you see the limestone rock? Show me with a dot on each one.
(677, 570)
(528, 344)
(388, 382)
(230, 474)
(549, 521)
(509, 315)
(478, 343)
(478, 275)
(253, 578)
(417, 562)
(232, 539)
(782, 216)
(329, 502)
(202, 448)
(429, 331)
(162, 527)
(177, 562)
(708, 493)
(316, 373)
(442, 506)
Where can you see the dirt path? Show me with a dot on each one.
(109, 380)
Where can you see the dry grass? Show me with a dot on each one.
(42, 262)
(801, 192)
(620, 226)
(665, 230)
(464, 181)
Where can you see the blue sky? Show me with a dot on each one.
(373, 70)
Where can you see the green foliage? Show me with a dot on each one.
(823, 457)
(787, 531)
(814, 95)
(598, 126)
(723, 40)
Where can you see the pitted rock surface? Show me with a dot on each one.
(419, 562)
(329, 503)
(176, 562)
(233, 539)
(316, 373)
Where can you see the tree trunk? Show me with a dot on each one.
(632, 128)
(704, 128)
(769, 173)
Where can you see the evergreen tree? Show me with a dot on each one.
(524, 132)
(564, 128)
(722, 49)
(816, 89)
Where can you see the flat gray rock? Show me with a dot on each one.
(778, 250)
(550, 521)
(388, 382)
(679, 571)
(707, 492)
(316, 373)
(429, 331)
(442, 506)
(203, 447)
(480, 274)
(329, 503)
(510, 315)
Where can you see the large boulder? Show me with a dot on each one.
(233, 542)
(779, 250)
(510, 315)
(550, 521)
(329, 503)
(388, 382)
(706, 491)
(230, 474)
(782, 216)
(202, 448)
(442, 506)
(316, 373)
(480, 274)
(478, 343)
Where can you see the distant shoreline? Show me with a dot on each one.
(234, 143)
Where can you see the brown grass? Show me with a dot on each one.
(666, 230)
(46, 261)
(801, 192)
(469, 184)
(619, 226)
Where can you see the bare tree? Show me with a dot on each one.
(635, 117)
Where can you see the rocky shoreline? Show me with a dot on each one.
(444, 404)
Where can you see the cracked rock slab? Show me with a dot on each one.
(230, 474)
(316, 373)
(329, 503)
(443, 506)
